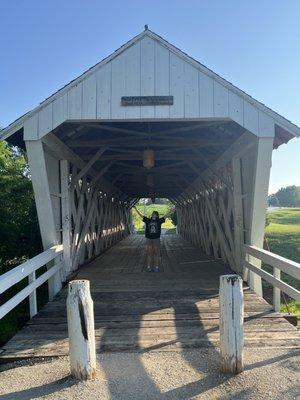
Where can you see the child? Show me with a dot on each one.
(152, 234)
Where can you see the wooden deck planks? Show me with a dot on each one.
(140, 311)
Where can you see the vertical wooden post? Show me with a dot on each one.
(178, 220)
(260, 186)
(81, 330)
(276, 291)
(65, 214)
(231, 323)
(238, 212)
(32, 297)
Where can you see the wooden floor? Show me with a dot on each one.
(137, 310)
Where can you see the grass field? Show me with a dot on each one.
(283, 232)
(283, 236)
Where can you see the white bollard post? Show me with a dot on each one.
(231, 323)
(81, 330)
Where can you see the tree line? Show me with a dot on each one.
(288, 196)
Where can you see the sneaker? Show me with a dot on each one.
(156, 269)
(149, 269)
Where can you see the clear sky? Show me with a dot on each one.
(253, 44)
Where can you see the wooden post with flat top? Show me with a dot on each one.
(81, 330)
(231, 323)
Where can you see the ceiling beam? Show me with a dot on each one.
(170, 157)
(92, 161)
(115, 129)
(64, 152)
(188, 128)
(178, 142)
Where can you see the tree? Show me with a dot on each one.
(19, 232)
(289, 196)
(273, 201)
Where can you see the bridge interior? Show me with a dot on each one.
(140, 311)
(195, 165)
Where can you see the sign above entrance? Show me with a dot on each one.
(147, 100)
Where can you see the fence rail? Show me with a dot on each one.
(279, 264)
(28, 269)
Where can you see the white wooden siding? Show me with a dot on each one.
(117, 87)
(103, 78)
(191, 91)
(147, 74)
(46, 119)
(162, 78)
(31, 128)
(206, 96)
(177, 86)
(133, 78)
(75, 102)
(235, 111)
(221, 105)
(266, 125)
(149, 68)
(89, 91)
(60, 110)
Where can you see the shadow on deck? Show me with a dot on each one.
(140, 311)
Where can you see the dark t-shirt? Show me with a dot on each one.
(153, 227)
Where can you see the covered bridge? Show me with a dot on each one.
(212, 145)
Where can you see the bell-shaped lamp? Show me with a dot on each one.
(148, 159)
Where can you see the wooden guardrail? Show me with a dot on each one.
(279, 264)
(28, 269)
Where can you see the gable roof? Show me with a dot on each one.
(282, 123)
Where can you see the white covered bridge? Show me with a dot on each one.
(212, 145)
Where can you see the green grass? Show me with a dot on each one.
(283, 236)
(162, 209)
(293, 307)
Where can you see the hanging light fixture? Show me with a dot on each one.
(152, 195)
(150, 180)
(148, 159)
(148, 155)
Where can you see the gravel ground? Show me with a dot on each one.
(189, 374)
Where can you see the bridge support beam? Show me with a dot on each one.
(43, 188)
(259, 190)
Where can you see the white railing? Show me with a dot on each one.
(279, 264)
(53, 258)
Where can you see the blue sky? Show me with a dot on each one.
(253, 44)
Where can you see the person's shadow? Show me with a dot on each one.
(126, 374)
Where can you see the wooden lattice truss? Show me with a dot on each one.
(210, 216)
(95, 221)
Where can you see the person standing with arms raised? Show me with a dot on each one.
(152, 234)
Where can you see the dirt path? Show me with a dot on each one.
(188, 374)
